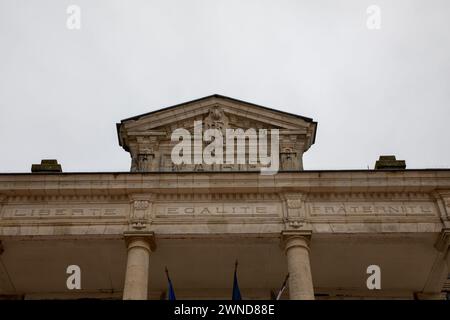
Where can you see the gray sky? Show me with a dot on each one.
(372, 92)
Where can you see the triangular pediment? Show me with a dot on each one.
(241, 114)
(141, 134)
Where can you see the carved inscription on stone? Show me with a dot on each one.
(61, 211)
(371, 208)
(218, 209)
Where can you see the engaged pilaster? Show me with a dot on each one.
(296, 246)
(139, 247)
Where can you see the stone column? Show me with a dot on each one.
(296, 246)
(139, 247)
(440, 270)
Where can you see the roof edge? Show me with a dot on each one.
(220, 97)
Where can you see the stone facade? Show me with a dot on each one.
(148, 137)
(323, 227)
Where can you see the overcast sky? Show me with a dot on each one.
(372, 92)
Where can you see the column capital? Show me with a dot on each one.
(294, 238)
(142, 239)
(296, 247)
(287, 234)
(443, 242)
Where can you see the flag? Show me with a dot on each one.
(283, 286)
(236, 291)
(171, 295)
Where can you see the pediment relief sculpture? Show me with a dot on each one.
(149, 138)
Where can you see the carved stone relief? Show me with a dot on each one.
(151, 150)
(141, 210)
(295, 215)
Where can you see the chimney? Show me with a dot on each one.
(389, 163)
(47, 165)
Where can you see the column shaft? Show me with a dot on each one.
(136, 276)
(300, 278)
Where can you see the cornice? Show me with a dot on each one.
(225, 182)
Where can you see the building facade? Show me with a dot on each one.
(327, 229)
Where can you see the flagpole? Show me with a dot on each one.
(236, 292)
(171, 291)
(167, 273)
(283, 286)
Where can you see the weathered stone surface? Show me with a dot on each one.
(389, 163)
(148, 137)
(332, 224)
(47, 165)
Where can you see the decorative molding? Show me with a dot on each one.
(147, 138)
(295, 210)
(296, 199)
(216, 119)
(443, 199)
(217, 196)
(140, 216)
(406, 196)
(443, 242)
(65, 198)
(140, 204)
(147, 236)
(287, 235)
(294, 203)
(295, 223)
(296, 233)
